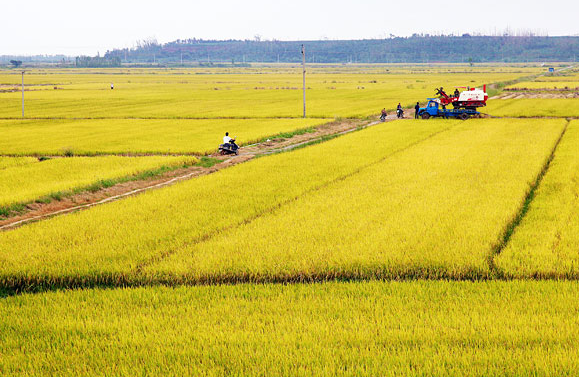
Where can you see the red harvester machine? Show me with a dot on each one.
(469, 99)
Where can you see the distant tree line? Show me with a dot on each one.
(97, 61)
(416, 49)
(24, 59)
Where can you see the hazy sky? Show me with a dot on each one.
(74, 27)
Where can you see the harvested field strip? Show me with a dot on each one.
(433, 328)
(105, 244)
(544, 85)
(59, 177)
(536, 95)
(98, 137)
(546, 244)
(434, 211)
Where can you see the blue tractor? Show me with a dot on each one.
(434, 110)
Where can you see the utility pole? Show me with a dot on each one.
(22, 94)
(304, 72)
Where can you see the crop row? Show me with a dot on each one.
(433, 328)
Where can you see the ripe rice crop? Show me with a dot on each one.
(21, 184)
(107, 243)
(275, 94)
(10, 162)
(431, 328)
(120, 136)
(533, 107)
(546, 243)
(568, 75)
(434, 211)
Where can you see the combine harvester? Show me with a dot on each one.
(464, 104)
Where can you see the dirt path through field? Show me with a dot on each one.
(40, 211)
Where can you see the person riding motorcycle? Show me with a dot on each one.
(226, 138)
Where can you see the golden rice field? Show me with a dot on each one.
(422, 328)
(132, 136)
(12, 162)
(412, 247)
(26, 182)
(359, 206)
(563, 83)
(365, 225)
(567, 75)
(533, 107)
(109, 242)
(546, 244)
(234, 95)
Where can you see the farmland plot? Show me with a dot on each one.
(433, 328)
(435, 210)
(36, 179)
(9, 162)
(534, 107)
(109, 242)
(546, 244)
(167, 95)
(143, 136)
(319, 215)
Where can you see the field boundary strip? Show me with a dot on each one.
(524, 208)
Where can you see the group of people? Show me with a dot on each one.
(400, 112)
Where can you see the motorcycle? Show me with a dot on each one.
(229, 148)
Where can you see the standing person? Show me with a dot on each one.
(416, 109)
